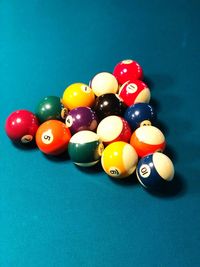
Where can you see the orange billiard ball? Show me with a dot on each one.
(147, 140)
(52, 137)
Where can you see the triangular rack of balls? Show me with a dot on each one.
(109, 120)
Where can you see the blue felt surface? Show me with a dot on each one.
(54, 214)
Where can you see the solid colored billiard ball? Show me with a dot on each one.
(21, 126)
(81, 118)
(109, 104)
(52, 137)
(85, 148)
(119, 159)
(113, 128)
(147, 140)
(128, 70)
(155, 170)
(78, 95)
(104, 83)
(50, 108)
(134, 91)
(139, 114)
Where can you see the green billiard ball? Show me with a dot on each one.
(50, 108)
(85, 148)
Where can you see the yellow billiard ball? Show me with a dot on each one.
(119, 159)
(78, 95)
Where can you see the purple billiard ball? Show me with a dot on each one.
(81, 118)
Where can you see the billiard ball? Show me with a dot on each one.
(128, 70)
(147, 140)
(50, 108)
(52, 137)
(78, 95)
(104, 83)
(113, 128)
(109, 104)
(119, 159)
(139, 114)
(81, 118)
(21, 126)
(155, 170)
(85, 148)
(134, 91)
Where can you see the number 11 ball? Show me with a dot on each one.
(155, 170)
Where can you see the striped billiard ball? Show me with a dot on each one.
(134, 91)
(119, 159)
(85, 148)
(113, 128)
(147, 140)
(104, 83)
(155, 170)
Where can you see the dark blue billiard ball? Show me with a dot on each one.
(155, 170)
(139, 114)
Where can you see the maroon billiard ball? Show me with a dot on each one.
(127, 70)
(21, 126)
(81, 118)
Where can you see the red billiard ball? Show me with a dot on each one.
(128, 70)
(21, 126)
(113, 128)
(52, 137)
(134, 91)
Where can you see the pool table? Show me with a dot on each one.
(56, 214)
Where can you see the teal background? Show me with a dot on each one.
(54, 214)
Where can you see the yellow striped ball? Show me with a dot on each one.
(119, 159)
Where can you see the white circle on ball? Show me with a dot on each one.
(69, 121)
(127, 61)
(114, 171)
(85, 88)
(47, 137)
(26, 138)
(144, 170)
(131, 88)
